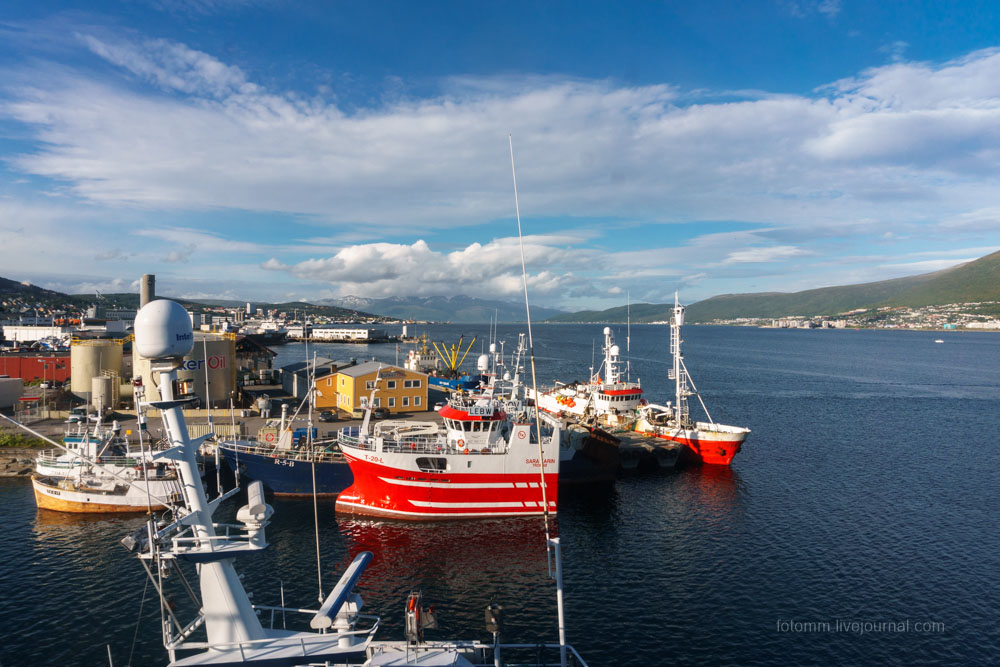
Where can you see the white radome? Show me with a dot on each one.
(163, 330)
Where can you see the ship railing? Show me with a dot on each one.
(185, 541)
(51, 458)
(416, 445)
(178, 642)
(535, 655)
(319, 454)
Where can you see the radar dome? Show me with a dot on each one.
(607, 330)
(615, 350)
(163, 330)
(483, 363)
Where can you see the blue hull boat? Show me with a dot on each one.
(289, 472)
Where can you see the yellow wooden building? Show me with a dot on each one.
(349, 389)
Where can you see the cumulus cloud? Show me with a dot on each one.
(492, 270)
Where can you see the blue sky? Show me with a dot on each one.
(305, 150)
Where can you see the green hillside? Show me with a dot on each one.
(974, 281)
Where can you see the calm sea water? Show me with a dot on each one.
(867, 494)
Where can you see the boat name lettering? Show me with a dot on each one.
(534, 462)
(480, 410)
(185, 336)
(373, 459)
(214, 361)
(284, 462)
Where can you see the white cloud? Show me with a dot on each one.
(583, 147)
(492, 270)
(892, 153)
(765, 254)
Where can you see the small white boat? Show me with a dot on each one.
(104, 495)
(939, 341)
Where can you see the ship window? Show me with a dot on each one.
(432, 463)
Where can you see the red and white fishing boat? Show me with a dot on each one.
(608, 401)
(477, 464)
(707, 442)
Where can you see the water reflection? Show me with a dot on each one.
(457, 565)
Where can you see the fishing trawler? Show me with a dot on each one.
(481, 464)
(98, 471)
(237, 631)
(289, 461)
(706, 442)
(606, 401)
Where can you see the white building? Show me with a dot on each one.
(349, 334)
(27, 334)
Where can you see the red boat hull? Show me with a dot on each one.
(380, 489)
(712, 448)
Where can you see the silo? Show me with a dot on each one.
(90, 359)
(101, 392)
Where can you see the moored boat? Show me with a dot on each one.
(288, 461)
(103, 494)
(481, 464)
(606, 399)
(706, 442)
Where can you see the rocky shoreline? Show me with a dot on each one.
(17, 462)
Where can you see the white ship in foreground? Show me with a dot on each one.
(228, 628)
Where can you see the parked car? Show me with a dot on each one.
(327, 416)
(380, 413)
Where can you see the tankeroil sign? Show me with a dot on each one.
(213, 362)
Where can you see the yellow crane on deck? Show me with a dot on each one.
(450, 356)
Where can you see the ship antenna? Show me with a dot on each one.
(312, 455)
(628, 337)
(531, 345)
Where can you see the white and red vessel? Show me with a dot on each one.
(478, 464)
(706, 442)
(608, 401)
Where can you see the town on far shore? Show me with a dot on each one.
(980, 315)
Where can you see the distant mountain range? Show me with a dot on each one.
(974, 281)
(459, 309)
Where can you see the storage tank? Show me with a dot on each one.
(11, 389)
(101, 392)
(212, 354)
(91, 359)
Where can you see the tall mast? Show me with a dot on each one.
(678, 371)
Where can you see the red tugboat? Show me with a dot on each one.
(707, 442)
(478, 464)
